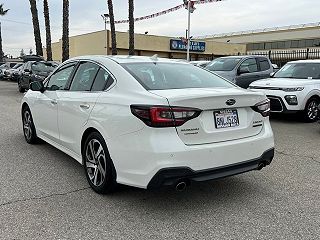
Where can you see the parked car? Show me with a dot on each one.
(242, 70)
(295, 88)
(200, 63)
(7, 74)
(34, 71)
(4, 67)
(16, 74)
(148, 122)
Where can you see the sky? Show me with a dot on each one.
(208, 19)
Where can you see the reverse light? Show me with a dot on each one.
(263, 108)
(164, 116)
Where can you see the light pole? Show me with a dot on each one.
(189, 5)
(105, 17)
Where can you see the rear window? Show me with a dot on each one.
(162, 76)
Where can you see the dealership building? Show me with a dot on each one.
(98, 43)
(280, 41)
(294, 37)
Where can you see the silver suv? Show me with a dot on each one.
(242, 70)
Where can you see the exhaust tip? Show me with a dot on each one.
(181, 186)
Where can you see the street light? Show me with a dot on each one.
(189, 5)
(105, 18)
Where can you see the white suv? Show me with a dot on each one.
(148, 122)
(294, 88)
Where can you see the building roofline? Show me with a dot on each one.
(262, 30)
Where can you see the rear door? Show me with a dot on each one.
(265, 67)
(250, 65)
(76, 103)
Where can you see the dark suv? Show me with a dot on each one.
(34, 71)
(242, 70)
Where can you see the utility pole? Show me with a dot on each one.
(189, 5)
(105, 17)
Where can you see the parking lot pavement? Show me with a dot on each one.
(44, 193)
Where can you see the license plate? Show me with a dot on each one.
(226, 118)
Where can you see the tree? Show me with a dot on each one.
(113, 29)
(65, 31)
(131, 28)
(48, 31)
(2, 13)
(36, 27)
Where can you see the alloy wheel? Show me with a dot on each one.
(312, 110)
(27, 125)
(96, 163)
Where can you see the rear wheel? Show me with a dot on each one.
(29, 129)
(98, 166)
(311, 112)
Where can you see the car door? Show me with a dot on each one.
(45, 109)
(265, 67)
(247, 72)
(76, 103)
(26, 75)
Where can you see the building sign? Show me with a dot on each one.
(180, 45)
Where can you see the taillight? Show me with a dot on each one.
(163, 116)
(263, 108)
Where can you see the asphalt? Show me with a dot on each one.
(44, 193)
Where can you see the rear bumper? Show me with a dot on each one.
(171, 176)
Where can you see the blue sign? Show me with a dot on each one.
(180, 45)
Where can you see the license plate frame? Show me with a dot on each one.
(231, 113)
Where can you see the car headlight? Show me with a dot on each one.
(294, 89)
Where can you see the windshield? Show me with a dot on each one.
(223, 64)
(299, 71)
(43, 67)
(17, 66)
(162, 76)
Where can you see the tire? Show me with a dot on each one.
(21, 89)
(96, 160)
(311, 112)
(29, 129)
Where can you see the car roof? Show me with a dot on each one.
(306, 61)
(243, 56)
(129, 59)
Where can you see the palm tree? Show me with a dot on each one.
(65, 31)
(113, 29)
(131, 28)
(2, 13)
(48, 31)
(36, 27)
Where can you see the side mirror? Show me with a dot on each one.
(272, 74)
(27, 70)
(37, 86)
(243, 70)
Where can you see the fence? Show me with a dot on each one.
(281, 57)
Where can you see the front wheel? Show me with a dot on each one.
(311, 112)
(98, 166)
(29, 129)
(21, 89)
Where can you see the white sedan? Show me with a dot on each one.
(148, 122)
(294, 88)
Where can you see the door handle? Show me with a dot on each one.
(54, 102)
(85, 106)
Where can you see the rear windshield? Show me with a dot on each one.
(223, 64)
(43, 67)
(299, 71)
(162, 76)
